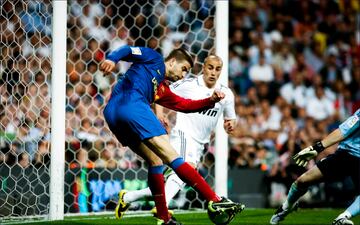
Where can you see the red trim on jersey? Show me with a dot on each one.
(165, 97)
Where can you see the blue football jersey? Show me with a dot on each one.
(350, 129)
(143, 76)
(128, 112)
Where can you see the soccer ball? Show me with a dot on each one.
(224, 211)
(221, 216)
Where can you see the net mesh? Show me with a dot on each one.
(25, 105)
(97, 166)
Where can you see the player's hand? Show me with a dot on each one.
(107, 67)
(229, 126)
(217, 96)
(304, 156)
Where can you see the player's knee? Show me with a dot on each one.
(302, 182)
(154, 161)
(170, 157)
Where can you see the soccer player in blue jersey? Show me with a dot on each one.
(193, 130)
(344, 162)
(129, 116)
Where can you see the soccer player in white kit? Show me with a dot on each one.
(193, 130)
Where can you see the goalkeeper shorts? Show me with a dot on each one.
(339, 165)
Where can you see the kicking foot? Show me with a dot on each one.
(280, 213)
(224, 211)
(342, 221)
(122, 206)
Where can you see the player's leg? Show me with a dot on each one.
(160, 145)
(132, 196)
(333, 167)
(155, 165)
(354, 208)
(297, 189)
(173, 184)
(156, 181)
(136, 126)
(145, 124)
(187, 148)
(351, 211)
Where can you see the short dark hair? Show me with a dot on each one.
(180, 54)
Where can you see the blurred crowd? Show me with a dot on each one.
(295, 69)
(293, 65)
(95, 27)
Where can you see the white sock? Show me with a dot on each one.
(172, 186)
(345, 214)
(285, 205)
(132, 196)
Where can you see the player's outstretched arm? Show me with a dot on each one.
(168, 99)
(311, 152)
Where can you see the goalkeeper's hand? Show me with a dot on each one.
(305, 155)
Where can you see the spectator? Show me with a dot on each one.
(330, 72)
(314, 56)
(294, 92)
(261, 71)
(284, 59)
(23, 160)
(320, 107)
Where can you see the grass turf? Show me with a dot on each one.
(248, 217)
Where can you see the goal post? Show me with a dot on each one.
(58, 95)
(221, 137)
(57, 155)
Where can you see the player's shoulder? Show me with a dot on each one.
(226, 90)
(146, 52)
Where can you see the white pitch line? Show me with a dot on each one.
(98, 217)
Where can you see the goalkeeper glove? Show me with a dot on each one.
(308, 153)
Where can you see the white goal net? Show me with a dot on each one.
(97, 167)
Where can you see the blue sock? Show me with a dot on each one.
(294, 194)
(176, 163)
(354, 208)
(156, 169)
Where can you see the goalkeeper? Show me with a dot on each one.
(344, 162)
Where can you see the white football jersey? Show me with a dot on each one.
(199, 125)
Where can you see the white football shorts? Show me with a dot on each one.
(190, 149)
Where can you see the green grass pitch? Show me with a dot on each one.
(248, 217)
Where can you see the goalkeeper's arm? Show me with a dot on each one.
(333, 138)
(311, 152)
